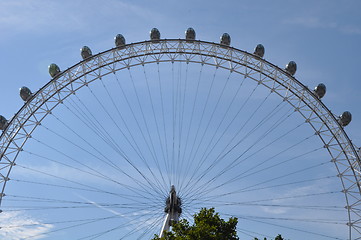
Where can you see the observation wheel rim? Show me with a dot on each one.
(204, 52)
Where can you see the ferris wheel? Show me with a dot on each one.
(126, 142)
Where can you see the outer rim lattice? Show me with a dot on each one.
(320, 118)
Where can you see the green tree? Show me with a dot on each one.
(207, 226)
(279, 237)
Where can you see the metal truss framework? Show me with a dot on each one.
(325, 124)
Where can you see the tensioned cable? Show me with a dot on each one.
(85, 116)
(146, 201)
(105, 160)
(210, 120)
(102, 233)
(218, 127)
(293, 197)
(311, 207)
(54, 185)
(291, 183)
(173, 126)
(157, 127)
(164, 126)
(60, 222)
(263, 121)
(130, 218)
(272, 128)
(181, 117)
(123, 154)
(67, 180)
(255, 234)
(138, 227)
(205, 106)
(220, 156)
(76, 225)
(310, 220)
(196, 95)
(240, 109)
(135, 147)
(152, 227)
(104, 131)
(79, 147)
(64, 228)
(243, 189)
(130, 106)
(177, 78)
(291, 228)
(132, 204)
(292, 173)
(116, 147)
(99, 175)
(242, 174)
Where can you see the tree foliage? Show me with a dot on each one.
(279, 237)
(207, 226)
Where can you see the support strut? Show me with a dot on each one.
(173, 210)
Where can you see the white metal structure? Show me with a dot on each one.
(165, 101)
(173, 210)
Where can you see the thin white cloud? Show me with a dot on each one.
(351, 30)
(318, 23)
(17, 226)
(287, 197)
(55, 16)
(311, 22)
(80, 174)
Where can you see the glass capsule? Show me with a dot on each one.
(259, 50)
(3, 122)
(291, 67)
(119, 40)
(85, 52)
(53, 70)
(226, 39)
(345, 118)
(190, 34)
(320, 90)
(25, 93)
(154, 34)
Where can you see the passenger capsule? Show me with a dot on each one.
(3, 122)
(226, 39)
(291, 67)
(320, 90)
(154, 34)
(53, 70)
(85, 52)
(190, 34)
(119, 41)
(259, 50)
(345, 118)
(25, 93)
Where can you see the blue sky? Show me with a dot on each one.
(323, 37)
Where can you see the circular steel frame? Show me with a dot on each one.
(325, 124)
